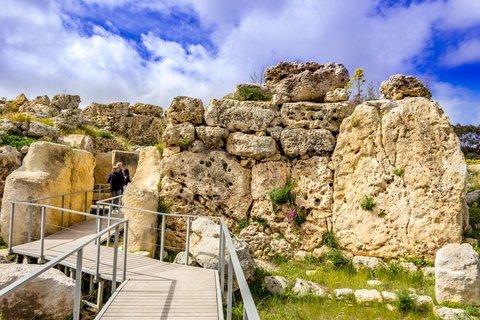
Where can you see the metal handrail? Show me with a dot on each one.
(79, 250)
(225, 241)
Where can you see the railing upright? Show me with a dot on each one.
(222, 267)
(30, 214)
(162, 241)
(187, 245)
(63, 207)
(42, 235)
(115, 256)
(10, 236)
(125, 243)
(78, 286)
(230, 289)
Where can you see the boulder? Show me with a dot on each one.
(43, 131)
(281, 247)
(389, 296)
(180, 259)
(366, 262)
(473, 196)
(310, 115)
(107, 109)
(103, 166)
(399, 86)
(408, 266)
(204, 247)
(141, 129)
(307, 81)
(79, 141)
(244, 116)
(252, 146)
(20, 100)
(210, 183)
(341, 294)
(175, 133)
(303, 288)
(212, 137)
(10, 160)
(409, 162)
(49, 296)
(185, 109)
(339, 94)
(143, 193)
(275, 284)
(452, 314)
(7, 126)
(365, 296)
(48, 170)
(70, 119)
(297, 142)
(457, 274)
(65, 101)
(147, 109)
(255, 236)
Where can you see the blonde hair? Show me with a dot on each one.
(115, 169)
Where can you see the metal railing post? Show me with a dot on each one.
(187, 245)
(125, 243)
(162, 241)
(30, 214)
(222, 273)
(108, 224)
(10, 235)
(99, 243)
(245, 316)
(86, 198)
(115, 256)
(42, 234)
(99, 192)
(78, 286)
(220, 248)
(230, 283)
(63, 207)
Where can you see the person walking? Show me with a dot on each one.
(117, 181)
(126, 175)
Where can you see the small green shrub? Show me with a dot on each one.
(338, 259)
(405, 302)
(17, 141)
(163, 207)
(105, 134)
(3, 245)
(253, 94)
(330, 240)
(160, 147)
(74, 147)
(261, 222)
(185, 144)
(20, 117)
(382, 214)
(282, 192)
(257, 288)
(367, 203)
(398, 171)
(242, 224)
(355, 121)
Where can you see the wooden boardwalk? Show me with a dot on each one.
(154, 289)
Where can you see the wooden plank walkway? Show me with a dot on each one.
(155, 289)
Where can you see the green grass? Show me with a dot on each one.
(398, 172)
(367, 203)
(253, 94)
(394, 279)
(3, 245)
(104, 134)
(473, 180)
(17, 141)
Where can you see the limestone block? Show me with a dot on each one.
(399, 86)
(311, 115)
(252, 146)
(368, 262)
(129, 161)
(70, 119)
(457, 274)
(212, 137)
(339, 94)
(8, 126)
(107, 109)
(307, 81)
(140, 128)
(365, 296)
(255, 236)
(48, 169)
(275, 284)
(415, 212)
(264, 174)
(341, 294)
(43, 131)
(275, 132)
(313, 183)
(408, 266)
(389, 296)
(65, 101)
(143, 193)
(10, 159)
(174, 133)
(303, 288)
(147, 109)
(244, 116)
(80, 141)
(452, 314)
(321, 252)
(168, 151)
(297, 142)
(185, 109)
(20, 100)
(211, 183)
(180, 259)
(103, 166)
(49, 296)
(282, 247)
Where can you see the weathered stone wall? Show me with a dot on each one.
(48, 169)
(128, 159)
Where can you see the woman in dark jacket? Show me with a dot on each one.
(117, 181)
(126, 175)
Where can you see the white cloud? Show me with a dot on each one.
(39, 55)
(466, 52)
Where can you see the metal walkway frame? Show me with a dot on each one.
(114, 224)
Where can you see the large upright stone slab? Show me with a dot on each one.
(409, 160)
(143, 193)
(128, 159)
(457, 274)
(48, 169)
(307, 81)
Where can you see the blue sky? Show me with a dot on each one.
(151, 51)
